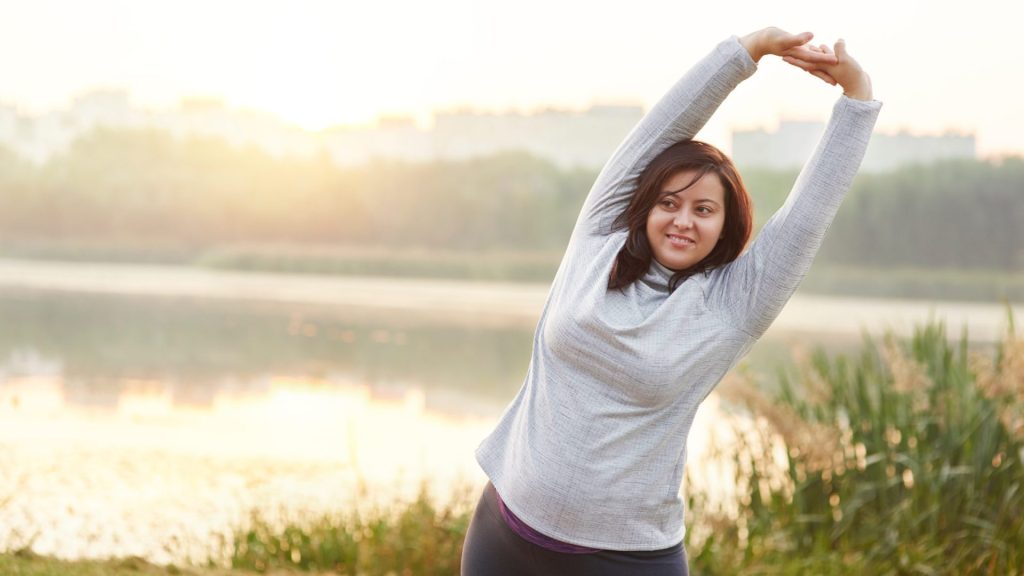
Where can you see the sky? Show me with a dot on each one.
(937, 66)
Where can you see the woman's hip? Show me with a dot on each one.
(491, 548)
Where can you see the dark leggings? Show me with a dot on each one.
(493, 549)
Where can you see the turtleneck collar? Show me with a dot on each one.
(658, 276)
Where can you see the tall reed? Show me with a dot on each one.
(904, 460)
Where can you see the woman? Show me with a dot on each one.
(653, 303)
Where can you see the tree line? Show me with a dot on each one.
(146, 187)
(965, 214)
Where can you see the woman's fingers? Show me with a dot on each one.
(798, 39)
(832, 65)
(810, 67)
(778, 42)
(798, 46)
(811, 54)
(841, 47)
(799, 63)
(824, 76)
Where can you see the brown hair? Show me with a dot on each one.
(634, 259)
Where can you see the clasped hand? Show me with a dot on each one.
(834, 66)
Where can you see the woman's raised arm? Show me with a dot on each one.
(681, 113)
(752, 290)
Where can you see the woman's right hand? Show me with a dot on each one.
(846, 71)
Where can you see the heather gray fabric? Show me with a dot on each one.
(591, 450)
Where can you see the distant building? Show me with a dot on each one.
(393, 137)
(888, 151)
(210, 117)
(568, 138)
(36, 139)
(792, 143)
(109, 107)
(10, 125)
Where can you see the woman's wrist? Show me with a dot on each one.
(752, 42)
(860, 91)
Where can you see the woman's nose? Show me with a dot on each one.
(683, 219)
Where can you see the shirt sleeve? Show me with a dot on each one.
(753, 289)
(679, 115)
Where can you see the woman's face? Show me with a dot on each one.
(684, 225)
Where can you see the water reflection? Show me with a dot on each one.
(150, 477)
(198, 347)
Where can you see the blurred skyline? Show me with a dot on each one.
(318, 64)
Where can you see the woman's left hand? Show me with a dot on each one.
(778, 42)
(848, 73)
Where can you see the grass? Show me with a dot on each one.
(419, 538)
(24, 563)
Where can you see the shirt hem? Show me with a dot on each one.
(589, 543)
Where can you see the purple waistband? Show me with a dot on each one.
(529, 534)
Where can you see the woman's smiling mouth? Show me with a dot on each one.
(680, 241)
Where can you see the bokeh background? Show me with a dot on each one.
(287, 257)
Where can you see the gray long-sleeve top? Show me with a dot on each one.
(591, 450)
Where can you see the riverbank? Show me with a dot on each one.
(28, 564)
(461, 301)
(499, 265)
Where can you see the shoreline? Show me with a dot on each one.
(461, 301)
